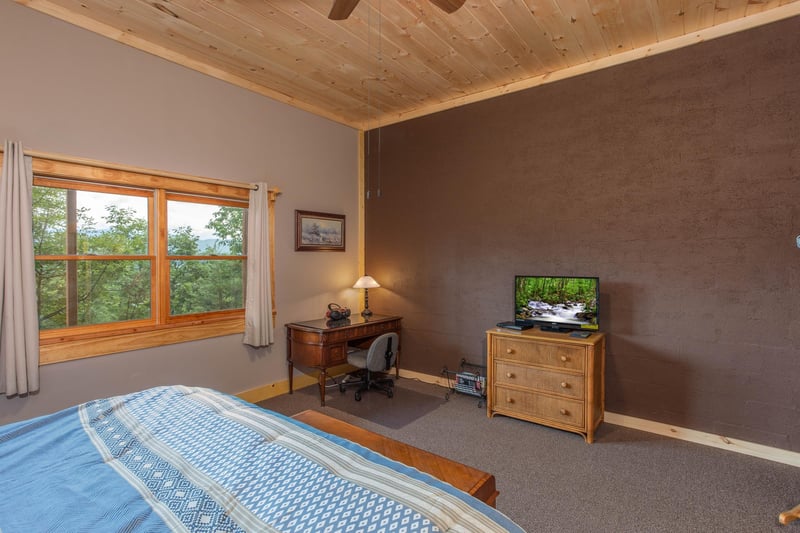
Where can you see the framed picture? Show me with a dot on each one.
(318, 231)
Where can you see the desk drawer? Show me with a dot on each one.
(318, 356)
(541, 353)
(335, 355)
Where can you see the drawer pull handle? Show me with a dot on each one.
(564, 385)
(509, 374)
(509, 400)
(509, 350)
(564, 412)
(564, 358)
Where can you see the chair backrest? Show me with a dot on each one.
(382, 353)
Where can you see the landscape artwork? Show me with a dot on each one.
(319, 231)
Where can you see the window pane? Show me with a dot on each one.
(200, 286)
(104, 224)
(99, 292)
(204, 229)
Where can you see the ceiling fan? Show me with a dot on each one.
(342, 8)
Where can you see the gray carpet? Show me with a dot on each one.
(406, 406)
(550, 480)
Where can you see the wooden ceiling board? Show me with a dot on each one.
(392, 60)
(248, 53)
(640, 20)
(586, 30)
(468, 39)
(510, 34)
(539, 36)
(410, 78)
(282, 72)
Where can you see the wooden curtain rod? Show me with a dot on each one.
(127, 168)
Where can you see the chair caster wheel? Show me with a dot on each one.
(390, 393)
(341, 388)
(358, 396)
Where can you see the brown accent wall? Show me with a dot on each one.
(675, 179)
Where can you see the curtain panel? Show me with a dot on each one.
(19, 321)
(258, 328)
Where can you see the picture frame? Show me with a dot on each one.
(315, 231)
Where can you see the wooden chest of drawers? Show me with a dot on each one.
(547, 378)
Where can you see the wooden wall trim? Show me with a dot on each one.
(706, 439)
(362, 161)
(83, 348)
(82, 161)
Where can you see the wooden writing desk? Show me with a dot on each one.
(323, 343)
(470, 480)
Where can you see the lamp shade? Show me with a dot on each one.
(366, 282)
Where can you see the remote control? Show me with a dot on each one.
(580, 334)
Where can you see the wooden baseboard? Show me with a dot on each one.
(698, 437)
(266, 392)
(708, 439)
(427, 378)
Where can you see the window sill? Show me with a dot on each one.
(69, 350)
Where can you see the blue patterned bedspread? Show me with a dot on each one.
(193, 459)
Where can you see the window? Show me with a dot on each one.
(127, 260)
(94, 261)
(206, 254)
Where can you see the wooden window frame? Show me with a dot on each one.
(90, 341)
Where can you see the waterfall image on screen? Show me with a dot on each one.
(570, 302)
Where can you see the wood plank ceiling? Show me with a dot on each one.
(392, 60)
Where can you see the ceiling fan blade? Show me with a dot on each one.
(341, 9)
(448, 6)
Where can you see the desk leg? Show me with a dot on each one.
(289, 359)
(323, 378)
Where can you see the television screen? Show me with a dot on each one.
(557, 302)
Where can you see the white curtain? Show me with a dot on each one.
(19, 322)
(258, 330)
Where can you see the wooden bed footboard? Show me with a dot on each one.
(472, 481)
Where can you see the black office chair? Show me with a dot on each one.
(378, 358)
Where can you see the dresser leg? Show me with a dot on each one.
(291, 377)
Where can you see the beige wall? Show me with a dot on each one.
(66, 90)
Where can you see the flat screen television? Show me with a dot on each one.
(557, 303)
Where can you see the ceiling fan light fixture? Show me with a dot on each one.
(448, 6)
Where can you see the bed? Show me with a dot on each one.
(193, 459)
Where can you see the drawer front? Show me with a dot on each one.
(541, 353)
(335, 355)
(318, 356)
(570, 385)
(526, 403)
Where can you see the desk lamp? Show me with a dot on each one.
(366, 283)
